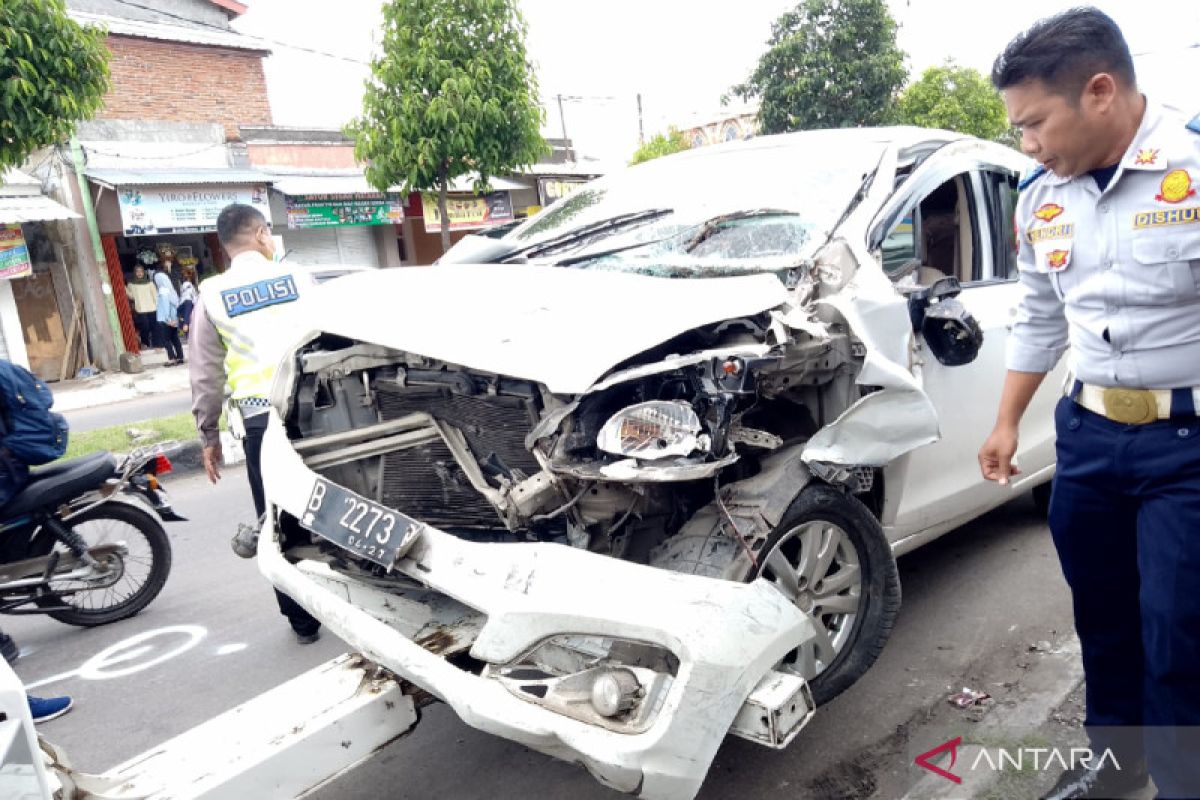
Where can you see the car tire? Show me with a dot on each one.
(821, 517)
(1041, 498)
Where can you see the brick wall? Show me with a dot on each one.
(179, 82)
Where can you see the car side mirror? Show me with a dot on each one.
(951, 332)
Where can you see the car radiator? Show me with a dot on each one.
(427, 482)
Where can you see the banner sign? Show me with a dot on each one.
(148, 210)
(14, 255)
(468, 212)
(551, 189)
(340, 210)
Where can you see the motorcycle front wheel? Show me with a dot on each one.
(136, 577)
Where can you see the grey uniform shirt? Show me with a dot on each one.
(1116, 274)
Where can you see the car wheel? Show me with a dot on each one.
(1041, 498)
(828, 556)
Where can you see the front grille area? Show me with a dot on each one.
(426, 482)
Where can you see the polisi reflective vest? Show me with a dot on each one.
(253, 307)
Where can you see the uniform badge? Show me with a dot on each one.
(1176, 187)
(1146, 157)
(262, 294)
(1048, 212)
(1057, 259)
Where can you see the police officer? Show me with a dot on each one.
(238, 334)
(1110, 265)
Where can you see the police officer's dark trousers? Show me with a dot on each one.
(1125, 518)
(302, 622)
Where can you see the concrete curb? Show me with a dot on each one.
(187, 457)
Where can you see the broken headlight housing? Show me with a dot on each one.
(654, 430)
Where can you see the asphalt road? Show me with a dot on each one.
(974, 602)
(130, 412)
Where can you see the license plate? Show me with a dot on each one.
(361, 526)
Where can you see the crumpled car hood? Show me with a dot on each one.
(564, 328)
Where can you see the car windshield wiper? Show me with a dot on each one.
(577, 235)
(861, 194)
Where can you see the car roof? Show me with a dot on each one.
(902, 137)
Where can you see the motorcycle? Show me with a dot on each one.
(83, 542)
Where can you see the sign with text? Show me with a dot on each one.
(149, 210)
(14, 254)
(551, 189)
(340, 210)
(468, 212)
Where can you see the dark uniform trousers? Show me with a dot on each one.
(1125, 518)
(302, 622)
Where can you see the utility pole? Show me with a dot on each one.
(641, 130)
(563, 122)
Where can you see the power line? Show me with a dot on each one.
(275, 42)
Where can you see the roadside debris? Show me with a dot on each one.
(969, 697)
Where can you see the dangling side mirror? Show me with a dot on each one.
(951, 332)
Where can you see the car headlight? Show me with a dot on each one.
(658, 429)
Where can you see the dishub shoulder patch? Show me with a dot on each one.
(1036, 173)
(1194, 125)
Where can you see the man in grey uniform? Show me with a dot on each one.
(1109, 227)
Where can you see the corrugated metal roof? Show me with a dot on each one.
(175, 177)
(296, 185)
(467, 184)
(32, 208)
(170, 33)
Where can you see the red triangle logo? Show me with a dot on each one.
(952, 745)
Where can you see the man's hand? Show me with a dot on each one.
(996, 455)
(212, 462)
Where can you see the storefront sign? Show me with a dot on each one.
(149, 210)
(14, 255)
(468, 212)
(339, 210)
(551, 189)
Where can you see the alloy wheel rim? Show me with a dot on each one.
(816, 566)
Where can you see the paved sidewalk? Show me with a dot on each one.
(115, 387)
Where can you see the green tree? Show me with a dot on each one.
(828, 64)
(452, 94)
(662, 144)
(954, 98)
(53, 73)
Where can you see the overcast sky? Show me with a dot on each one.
(681, 56)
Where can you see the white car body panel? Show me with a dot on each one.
(540, 323)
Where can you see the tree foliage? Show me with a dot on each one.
(661, 144)
(828, 64)
(53, 73)
(452, 94)
(954, 98)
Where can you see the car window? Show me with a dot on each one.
(937, 237)
(1000, 188)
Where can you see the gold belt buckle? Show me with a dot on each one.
(1130, 406)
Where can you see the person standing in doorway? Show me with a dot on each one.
(187, 299)
(167, 314)
(144, 297)
(1109, 227)
(237, 338)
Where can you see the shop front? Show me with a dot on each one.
(37, 305)
(148, 216)
(338, 219)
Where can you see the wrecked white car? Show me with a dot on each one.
(633, 475)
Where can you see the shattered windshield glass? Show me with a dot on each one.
(724, 210)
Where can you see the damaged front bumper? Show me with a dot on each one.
(504, 601)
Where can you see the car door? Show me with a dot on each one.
(958, 207)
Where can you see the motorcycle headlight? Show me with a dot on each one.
(658, 429)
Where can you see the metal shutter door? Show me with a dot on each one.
(319, 247)
(358, 246)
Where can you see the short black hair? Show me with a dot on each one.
(1064, 52)
(237, 219)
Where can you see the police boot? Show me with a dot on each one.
(1105, 780)
(245, 541)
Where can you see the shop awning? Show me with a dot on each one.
(302, 185)
(174, 177)
(21, 200)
